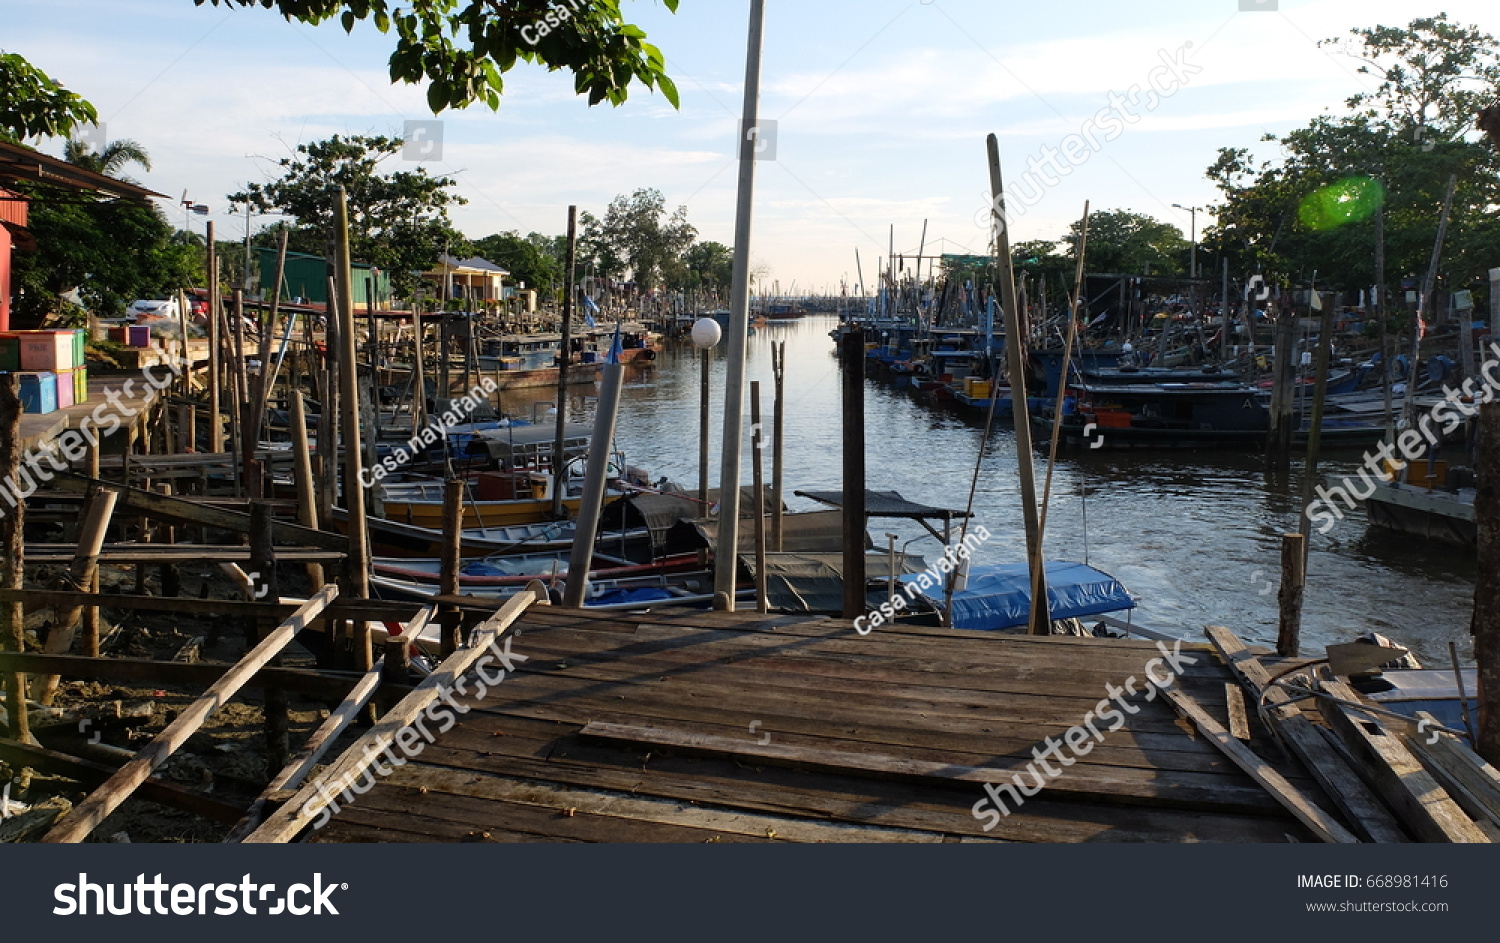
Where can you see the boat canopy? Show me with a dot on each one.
(998, 596)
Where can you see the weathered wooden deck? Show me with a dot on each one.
(696, 726)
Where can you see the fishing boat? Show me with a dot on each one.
(394, 539)
(618, 585)
(998, 596)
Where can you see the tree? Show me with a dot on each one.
(398, 222)
(708, 266)
(1394, 149)
(32, 104)
(637, 235)
(462, 49)
(109, 252)
(115, 156)
(530, 259)
(1128, 243)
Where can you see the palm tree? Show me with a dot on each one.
(110, 160)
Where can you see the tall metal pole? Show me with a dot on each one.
(611, 378)
(704, 355)
(564, 354)
(726, 560)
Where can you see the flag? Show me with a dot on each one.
(1317, 302)
(615, 350)
(589, 310)
(588, 319)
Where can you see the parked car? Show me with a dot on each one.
(145, 310)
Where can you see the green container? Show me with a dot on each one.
(80, 385)
(10, 354)
(79, 341)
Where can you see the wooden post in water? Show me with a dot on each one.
(215, 354)
(449, 618)
(1041, 621)
(264, 586)
(1315, 428)
(854, 474)
(96, 518)
(778, 447)
(1283, 379)
(564, 355)
(357, 567)
(757, 477)
(13, 546)
(1293, 576)
(1485, 625)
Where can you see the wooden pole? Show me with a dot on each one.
(758, 480)
(1293, 574)
(564, 355)
(328, 415)
(263, 381)
(449, 618)
(611, 378)
(1041, 622)
(87, 815)
(215, 353)
(1315, 427)
(854, 474)
(357, 567)
(237, 390)
(13, 545)
(1378, 305)
(778, 446)
(1485, 625)
(264, 585)
(307, 504)
(96, 520)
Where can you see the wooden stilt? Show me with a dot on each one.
(13, 546)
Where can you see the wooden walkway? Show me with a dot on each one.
(696, 726)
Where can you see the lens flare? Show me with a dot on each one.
(1347, 201)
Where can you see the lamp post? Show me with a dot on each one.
(1193, 214)
(706, 334)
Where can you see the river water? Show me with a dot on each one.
(1196, 535)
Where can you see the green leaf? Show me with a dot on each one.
(669, 91)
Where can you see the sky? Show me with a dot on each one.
(881, 111)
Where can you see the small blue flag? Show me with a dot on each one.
(616, 351)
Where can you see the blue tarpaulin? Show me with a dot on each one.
(998, 596)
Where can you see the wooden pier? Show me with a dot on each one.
(698, 726)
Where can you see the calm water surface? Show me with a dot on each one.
(1196, 536)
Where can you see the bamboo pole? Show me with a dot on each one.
(357, 569)
(778, 447)
(257, 405)
(265, 585)
(87, 815)
(1315, 428)
(1040, 623)
(1074, 305)
(13, 566)
(307, 505)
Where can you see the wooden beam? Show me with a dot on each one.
(1234, 705)
(371, 610)
(1390, 767)
(77, 825)
(310, 800)
(173, 553)
(309, 681)
(181, 511)
(1360, 805)
(311, 753)
(1473, 783)
(1323, 825)
(91, 773)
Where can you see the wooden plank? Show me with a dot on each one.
(292, 776)
(1473, 783)
(182, 511)
(91, 773)
(370, 610)
(1325, 826)
(291, 818)
(309, 681)
(101, 802)
(1422, 804)
(1078, 780)
(1360, 805)
(175, 553)
(1234, 703)
(554, 798)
